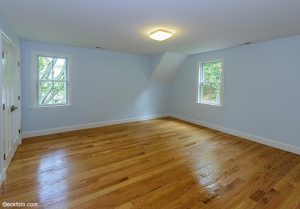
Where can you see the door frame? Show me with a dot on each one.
(2, 163)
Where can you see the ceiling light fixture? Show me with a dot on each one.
(160, 34)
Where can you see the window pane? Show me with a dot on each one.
(52, 93)
(212, 71)
(59, 93)
(45, 88)
(205, 92)
(59, 69)
(45, 67)
(215, 94)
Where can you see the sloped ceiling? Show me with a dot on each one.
(164, 65)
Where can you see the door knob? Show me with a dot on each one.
(13, 108)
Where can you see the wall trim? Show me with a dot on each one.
(251, 137)
(88, 125)
(3, 175)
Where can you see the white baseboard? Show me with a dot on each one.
(88, 125)
(251, 137)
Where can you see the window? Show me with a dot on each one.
(210, 88)
(51, 80)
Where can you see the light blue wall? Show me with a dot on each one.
(107, 86)
(262, 90)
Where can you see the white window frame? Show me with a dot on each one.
(35, 78)
(199, 90)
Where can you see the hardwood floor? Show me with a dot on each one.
(159, 164)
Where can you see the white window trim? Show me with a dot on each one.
(34, 100)
(199, 70)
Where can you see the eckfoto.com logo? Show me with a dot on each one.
(19, 204)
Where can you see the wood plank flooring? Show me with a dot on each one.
(158, 164)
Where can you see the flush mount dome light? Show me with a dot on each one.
(160, 35)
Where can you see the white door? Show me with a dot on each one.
(11, 100)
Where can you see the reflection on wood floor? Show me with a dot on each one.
(160, 164)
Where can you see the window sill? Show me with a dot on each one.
(46, 107)
(210, 104)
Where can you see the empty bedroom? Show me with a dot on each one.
(150, 104)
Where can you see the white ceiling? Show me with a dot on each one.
(199, 25)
